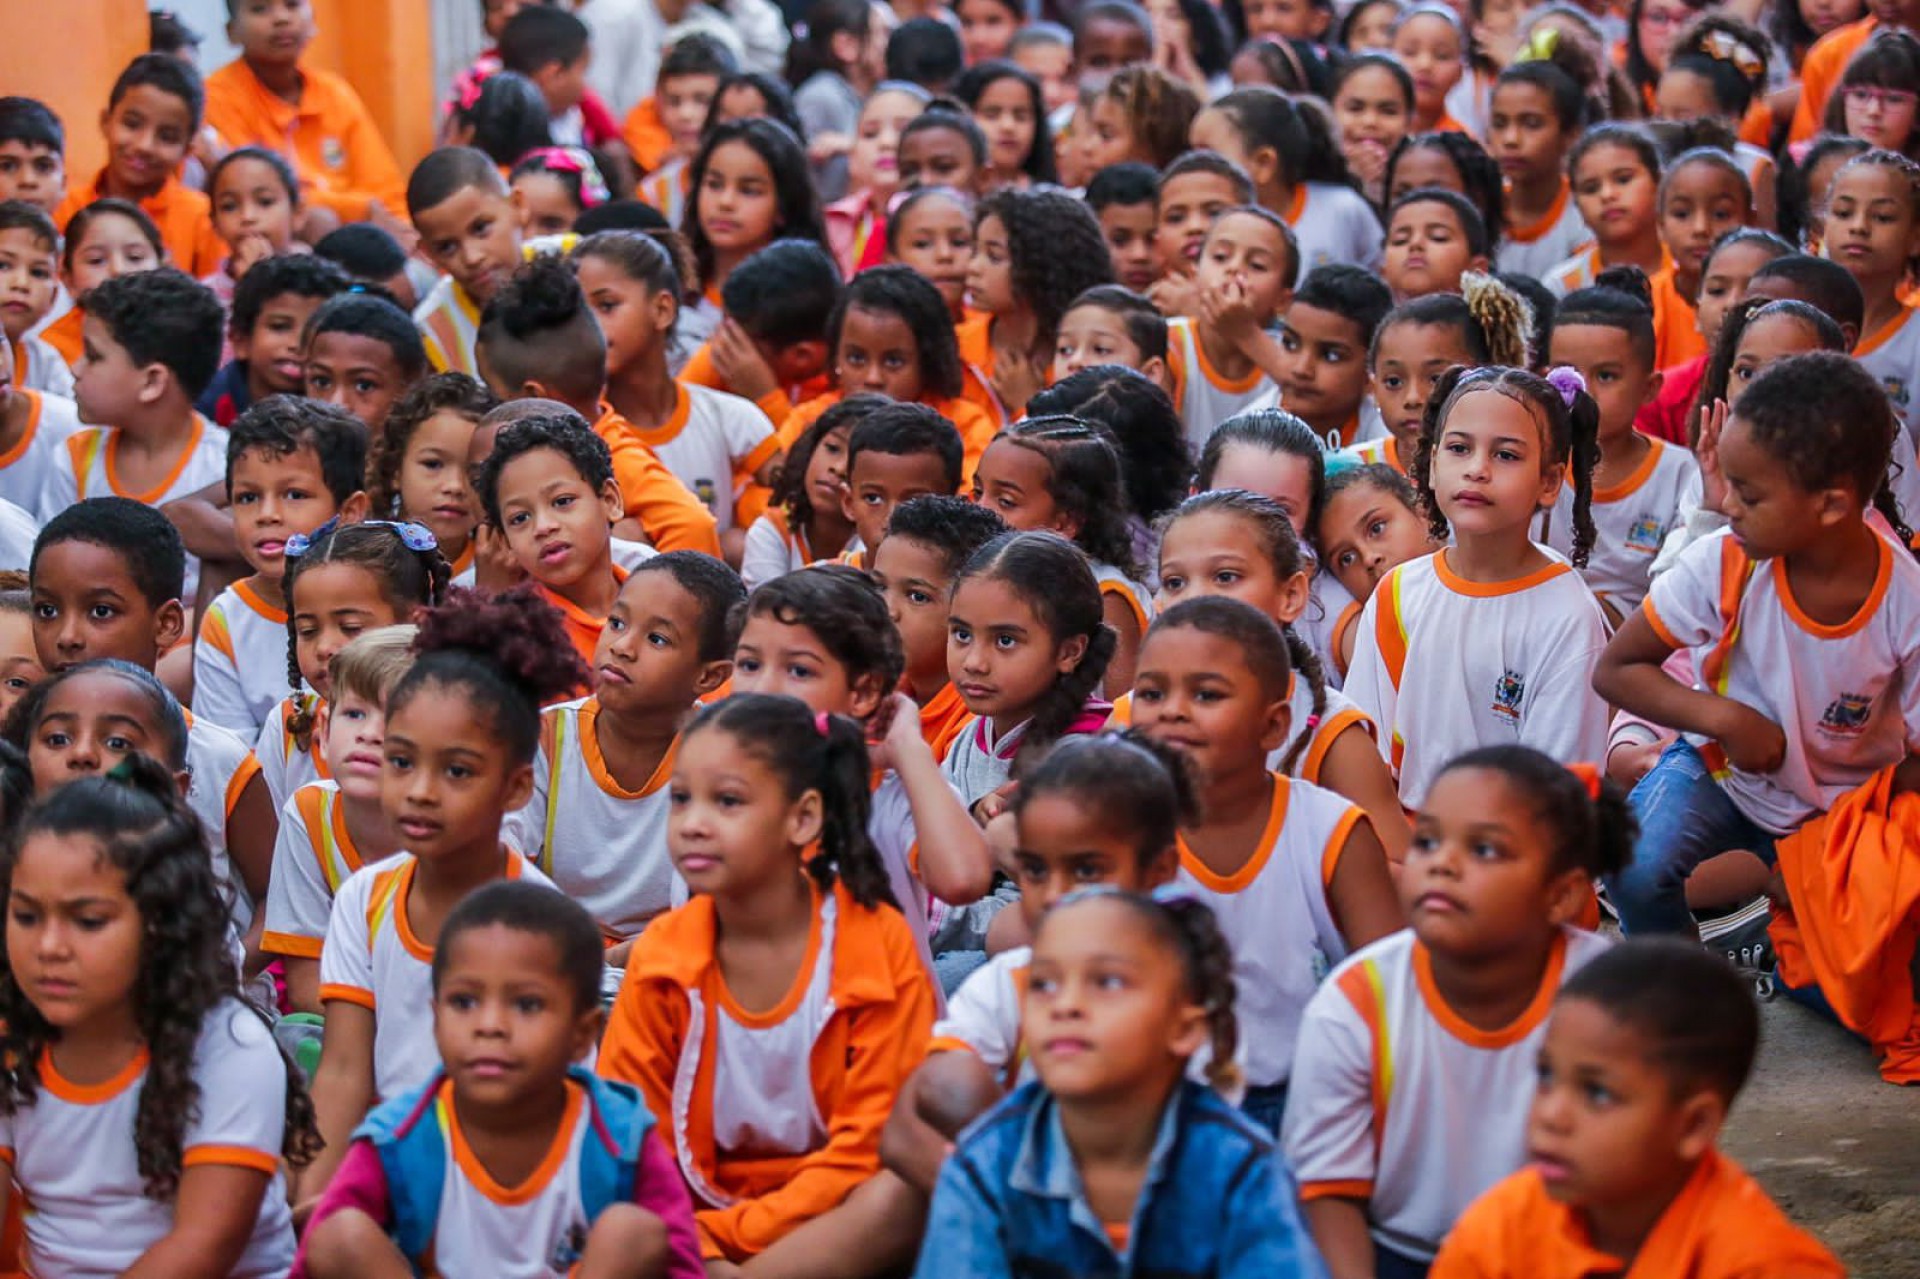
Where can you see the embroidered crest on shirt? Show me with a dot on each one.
(332, 153)
(1846, 715)
(1897, 390)
(1508, 691)
(1646, 535)
(707, 491)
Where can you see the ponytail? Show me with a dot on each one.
(1505, 319)
(1585, 813)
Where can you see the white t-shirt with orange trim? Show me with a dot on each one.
(1327, 602)
(372, 958)
(1537, 249)
(313, 856)
(1396, 1100)
(283, 764)
(1526, 678)
(86, 467)
(240, 661)
(1576, 273)
(1631, 520)
(983, 1016)
(1847, 697)
(1334, 223)
(38, 366)
(219, 766)
(1114, 582)
(1893, 357)
(449, 324)
(773, 550)
(711, 437)
(1274, 915)
(27, 467)
(1204, 398)
(1336, 717)
(73, 1159)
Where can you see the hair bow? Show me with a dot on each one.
(1566, 379)
(415, 537)
(468, 87)
(574, 160)
(1724, 46)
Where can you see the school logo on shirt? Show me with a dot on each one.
(1645, 535)
(1897, 390)
(571, 1248)
(706, 491)
(332, 153)
(1846, 715)
(1508, 691)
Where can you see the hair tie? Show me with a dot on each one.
(821, 723)
(469, 87)
(1540, 47)
(1566, 379)
(574, 160)
(1724, 46)
(1588, 775)
(300, 543)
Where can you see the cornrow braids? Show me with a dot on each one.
(1083, 479)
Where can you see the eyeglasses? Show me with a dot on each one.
(415, 537)
(1665, 19)
(1864, 95)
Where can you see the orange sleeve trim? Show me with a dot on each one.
(777, 405)
(6, 1154)
(298, 947)
(761, 452)
(213, 630)
(232, 1157)
(244, 772)
(1311, 1190)
(1660, 628)
(347, 995)
(1326, 735)
(1336, 845)
(1388, 631)
(950, 1044)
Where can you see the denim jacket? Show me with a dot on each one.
(1217, 1201)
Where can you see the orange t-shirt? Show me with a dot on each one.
(333, 144)
(583, 628)
(674, 519)
(184, 217)
(646, 135)
(942, 719)
(975, 336)
(1821, 70)
(976, 428)
(1676, 330)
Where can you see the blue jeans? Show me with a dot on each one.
(1388, 1264)
(1684, 818)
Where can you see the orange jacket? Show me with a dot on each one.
(1850, 876)
(646, 136)
(674, 519)
(333, 144)
(1820, 73)
(184, 217)
(878, 1032)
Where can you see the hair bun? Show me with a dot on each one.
(1628, 279)
(517, 632)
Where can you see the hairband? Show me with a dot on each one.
(1588, 776)
(593, 187)
(1566, 379)
(1724, 46)
(415, 537)
(822, 723)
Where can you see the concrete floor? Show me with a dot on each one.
(1837, 1148)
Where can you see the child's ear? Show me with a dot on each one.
(1067, 657)
(169, 624)
(1279, 726)
(519, 788)
(712, 675)
(355, 508)
(1654, 384)
(155, 380)
(1479, 263)
(1263, 166)
(1155, 371)
(1839, 505)
(611, 498)
(533, 390)
(1567, 896)
(806, 818)
(800, 361)
(586, 1033)
(1698, 1124)
(1550, 481)
(849, 509)
(1294, 594)
(1162, 869)
(518, 200)
(1189, 1031)
(242, 344)
(1066, 525)
(184, 780)
(866, 695)
(322, 715)
(665, 308)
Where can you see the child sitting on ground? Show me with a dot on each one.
(271, 307)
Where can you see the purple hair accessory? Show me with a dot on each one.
(1567, 380)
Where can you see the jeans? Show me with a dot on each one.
(1266, 1105)
(1684, 818)
(1388, 1264)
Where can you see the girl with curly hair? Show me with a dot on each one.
(145, 1106)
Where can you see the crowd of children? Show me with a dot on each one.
(1075, 639)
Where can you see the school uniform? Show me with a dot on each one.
(583, 628)
(1331, 223)
(312, 857)
(38, 367)
(1116, 584)
(708, 440)
(1892, 355)
(27, 467)
(449, 322)
(1676, 324)
(184, 217)
(672, 516)
(943, 717)
(1820, 74)
(773, 550)
(976, 428)
(1540, 246)
(1204, 397)
(219, 766)
(240, 661)
(1631, 520)
(1397, 1100)
(974, 336)
(669, 190)
(776, 404)
(980, 760)
(87, 467)
(335, 148)
(284, 763)
(1330, 611)
(1337, 715)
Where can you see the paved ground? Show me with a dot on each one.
(1835, 1146)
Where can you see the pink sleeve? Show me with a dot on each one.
(659, 1188)
(361, 1184)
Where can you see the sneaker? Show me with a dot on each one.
(1741, 935)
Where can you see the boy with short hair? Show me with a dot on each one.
(152, 116)
(1107, 36)
(469, 225)
(549, 46)
(772, 346)
(267, 97)
(33, 426)
(292, 465)
(926, 52)
(663, 131)
(1126, 199)
(1325, 334)
(29, 287)
(33, 153)
(1109, 324)
(928, 541)
(897, 452)
(371, 256)
(105, 579)
(1649, 1045)
(271, 305)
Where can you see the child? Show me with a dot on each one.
(931, 230)
(255, 203)
(1703, 196)
(550, 47)
(1372, 103)
(1275, 859)
(265, 323)
(1431, 43)
(1538, 111)
(1434, 237)
(1027, 649)
(20, 667)
(505, 117)
(29, 285)
(469, 225)
(750, 187)
(505, 947)
(462, 726)
(1505, 852)
(1125, 198)
(835, 66)
(1497, 446)
(942, 147)
(808, 521)
(1837, 637)
(1615, 182)
(98, 1130)
(1297, 173)
(1194, 190)
(1177, 1209)
(1011, 108)
(151, 118)
(1873, 229)
(417, 461)
(1063, 475)
(1034, 252)
(1454, 162)
(1890, 65)
(33, 153)
(1141, 115)
(908, 451)
(1663, 1036)
(772, 347)
(857, 224)
(372, 256)
(865, 1020)
(598, 818)
(1370, 524)
(556, 185)
(1716, 70)
(331, 828)
(1108, 325)
(663, 131)
(292, 466)
(361, 353)
(1736, 256)
(271, 97)
(1324, 338)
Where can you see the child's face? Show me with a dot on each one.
(1285, 20)
(1005, 113)
(447, 779)
(647, 664)
(1105, 46)
(632, 318)
(495, 14)
(1427, 251)
(1771, 513)
(1824, 15)
(827, 471)
(1369, 108)
(1012, 481)
(1819, 185)
(1111, 140)
(789, 659)
(274, 498)
(563, 84)
(1425, 166)
(89, 724)
(1188, 205)
(251, 200)
(878, 352)
(1092, 336)
(148, 132)
(937, 158)
(332, 603)
(739, 207)
(1130, 230)
(32, 173)
(474, 236)
(1703, 202)
(546, 206)
(1407, 360)
(28, 277)
(1479, 876)
(873, 162)
(432, 482)
(1526, 134)
(272, 347)
(20, 667)
(1685, 96)
(1001, 657)
(1192, 691)
(108, 387)
(1490, 469)
(1372, 31)
(683, 101)
(990, 272)
(879, 482)
(1764, 343)
(1064, 847)
(1429, 45)
(1364, 533)
(742, 102)
(274, 32)
(987, 27)
(733, 828)
(356, 373)
(1615, 192)
(1052, 66)
(353, 729)
(1724, 283)
(506, 1020)
(1871, 228)
(1880, 117)
(1096, 1039)
(1247, 256)
(557, 526)
(86, 604)
(936, 239)
(914, 577)
(1620, 379)
(1219, 553)
(1284, 477)
(1324, 358)
(1659, 22)
(73, 932)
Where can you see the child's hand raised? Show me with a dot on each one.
(1018, 376)
(494, 568)
(738, 360)
(249, 251)
(1175, 295)
(1753, 743)
(1713, 482)
(1226, 307)
(894, 733)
